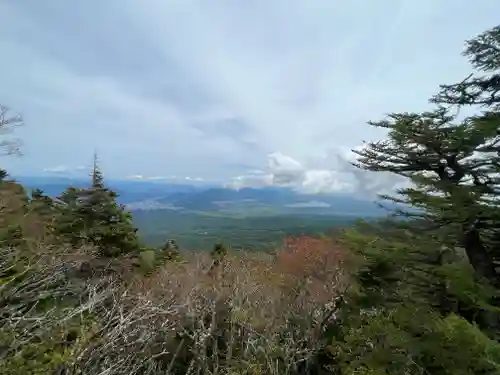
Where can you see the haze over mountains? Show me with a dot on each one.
(195, 197)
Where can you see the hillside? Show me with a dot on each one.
(200, 230)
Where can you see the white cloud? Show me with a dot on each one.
(284, 171)
(135, 177)
(186, 88)
(65, 170)
(311, 204)
(147, 178)
(194, 179)
(58, 169)
(164, 178)
(321, 181)
(255, 179)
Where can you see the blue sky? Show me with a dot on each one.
(254, 92)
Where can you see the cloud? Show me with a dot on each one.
(342, 177)
(65, 170)
(192, 88)
(148, 178)
(139, 177)
(252, 179)
(135, 177)
(60, 169)
(311, 204)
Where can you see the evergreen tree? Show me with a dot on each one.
(451, 164)
(70, 195)
(93, 216)
(218, 253)
(39, 199)
(44, 207)
(97, 177)
(451, 180)
(483, 90)
(169, 251)
(3, 174)
(454, 166)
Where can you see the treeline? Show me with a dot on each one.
(413, 296)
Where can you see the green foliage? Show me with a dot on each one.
(408, 310)
(40, 322)
(418, 305)
(44, 207)
(151, 258)
(199, 230)
(482, 90)
(451, 164)
(412, 340)
(39, 357)
(169, 251)
(467, 293)
(12, 236)
(219, 252)
(93, 216)
(147, 260)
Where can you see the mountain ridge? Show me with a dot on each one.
(162, 195)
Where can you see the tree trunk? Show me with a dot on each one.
(484, 267)
(479, 258)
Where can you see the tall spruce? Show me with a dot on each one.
(93, 216)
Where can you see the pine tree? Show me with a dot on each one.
(451, 163)
(93, 216)
(452, 182)
(170, 250)
(218, 253)
(483, 53)
(97, 177)
(481, 91)
(3, 174)
(39, 198)
(44, 206)
(454, 165)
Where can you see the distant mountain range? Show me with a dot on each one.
(269, 201)
(128, 190)
(156, 195)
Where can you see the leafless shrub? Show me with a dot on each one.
(35, 291)
(176, 321)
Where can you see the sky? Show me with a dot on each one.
(247, 93)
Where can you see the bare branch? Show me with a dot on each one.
(9, 146)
